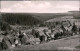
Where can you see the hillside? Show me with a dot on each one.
(39, 16)
(7, 19)
(76, 14)
(34, 18)
(65, 44)
(47, 16)
(20, 19)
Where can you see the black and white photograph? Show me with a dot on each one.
(39, 25)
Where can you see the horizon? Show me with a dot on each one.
(34, 12)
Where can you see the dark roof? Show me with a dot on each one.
(34, 39)
(1, 37)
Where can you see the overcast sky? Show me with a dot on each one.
(39, 6)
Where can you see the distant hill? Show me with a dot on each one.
(76, 14)
(47, 16)
(7, 19)
(34, 18)
(21, 19)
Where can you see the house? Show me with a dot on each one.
(34, 41)
(77, 22)
(6, 43)
(25, 39)
(1, 38)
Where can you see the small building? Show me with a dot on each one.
(6, 43)
(1, 38)
(77, 22)
(34, 41)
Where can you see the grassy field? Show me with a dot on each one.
(68, 43)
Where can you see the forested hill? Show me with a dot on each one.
(76, 14)
(47, 16)
(21, 19)
(7, 19)
(28, 18)
(34, 18)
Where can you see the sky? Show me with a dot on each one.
(39, 6)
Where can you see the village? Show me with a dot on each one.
(57, 28)
(39, 25)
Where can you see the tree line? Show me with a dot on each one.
(19, 19)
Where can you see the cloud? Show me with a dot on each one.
(6, 10)
(42, 7)
(27, 6)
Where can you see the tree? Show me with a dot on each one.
(74, 28)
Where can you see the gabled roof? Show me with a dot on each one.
(1, 37)
(34, 39)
